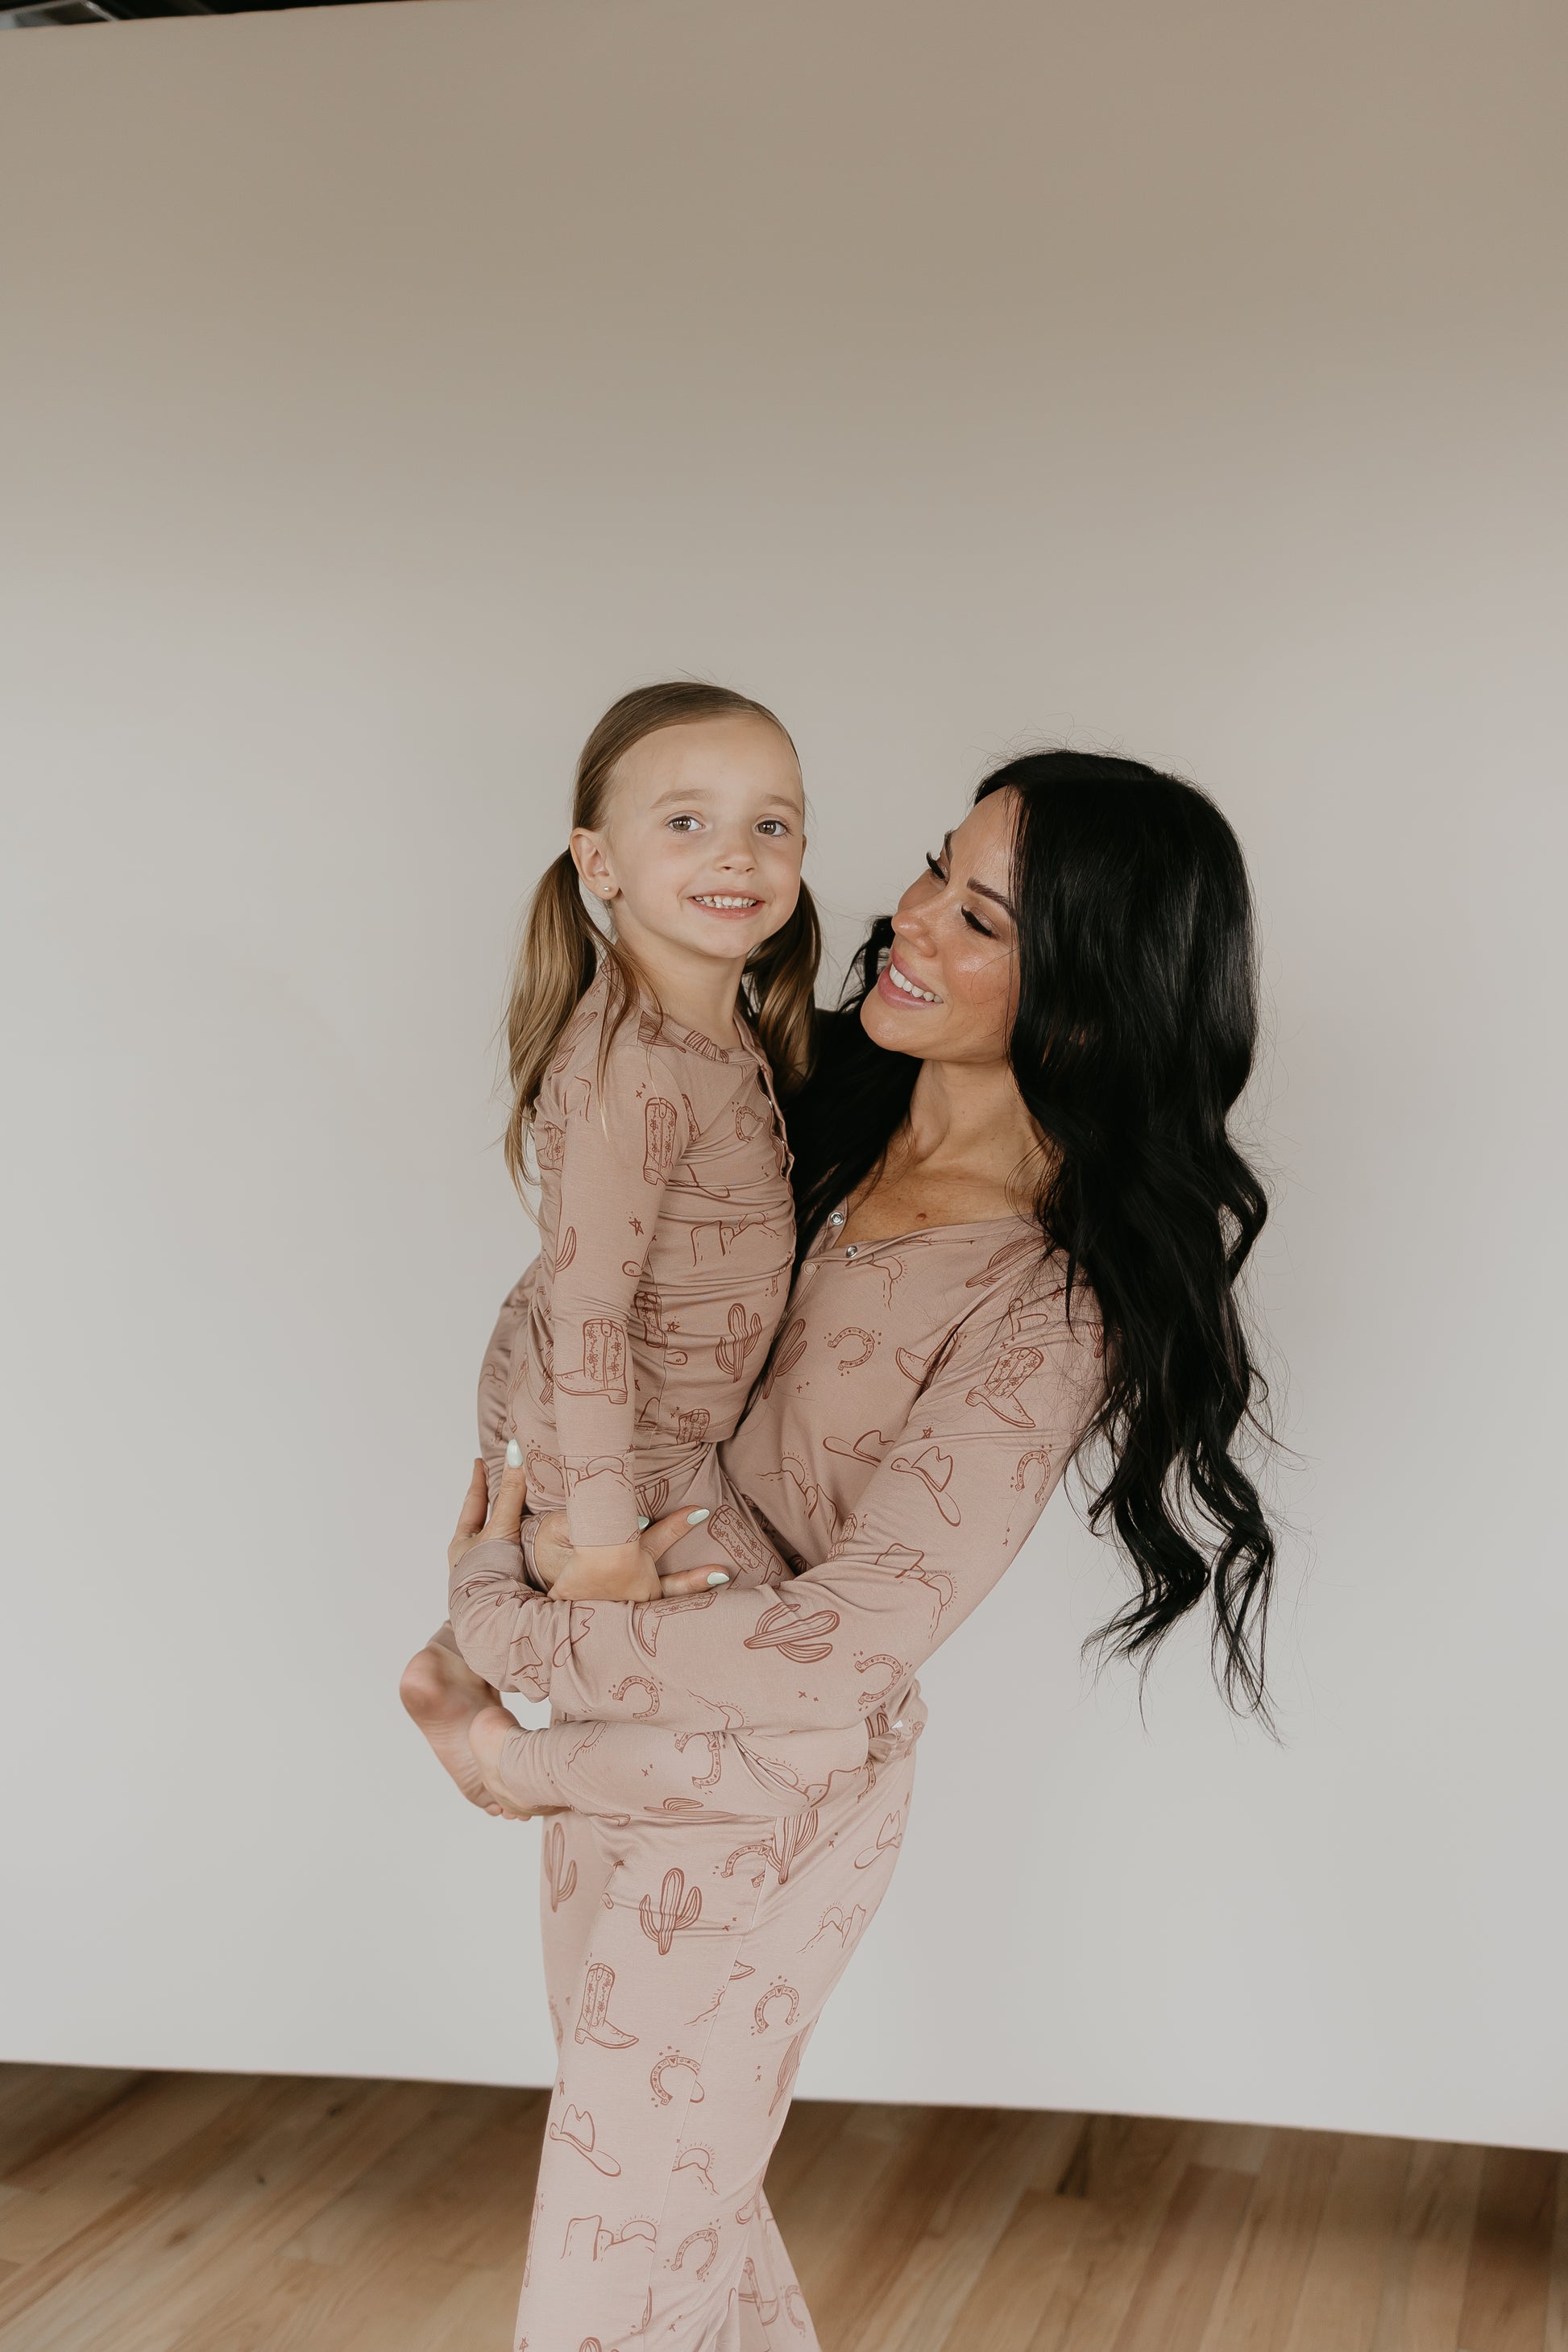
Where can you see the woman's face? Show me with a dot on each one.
(951, 987)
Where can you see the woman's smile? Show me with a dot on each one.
(896, 986)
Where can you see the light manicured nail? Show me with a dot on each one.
(641, 1523)
(513, 1455)
(719, 1577)
(694, 1518)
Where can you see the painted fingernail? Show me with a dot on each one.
(719, 1577)
(642, 1523)
(513, 1455)
(693, 1518)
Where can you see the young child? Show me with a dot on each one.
(642, 1067)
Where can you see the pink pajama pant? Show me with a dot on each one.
(688, 1962)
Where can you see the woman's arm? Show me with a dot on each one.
(957, 1490)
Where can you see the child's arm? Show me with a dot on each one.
(623, 1128)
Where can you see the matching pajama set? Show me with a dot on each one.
(732, 1770)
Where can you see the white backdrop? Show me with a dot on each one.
(389, 388)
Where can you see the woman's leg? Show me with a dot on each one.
(688, 1964)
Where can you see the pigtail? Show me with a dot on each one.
(779, 991)
(556, 965)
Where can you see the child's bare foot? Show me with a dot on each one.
(488, 1734)
(443, 1694)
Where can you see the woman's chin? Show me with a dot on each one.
(894, 1030)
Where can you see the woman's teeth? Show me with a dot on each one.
(908, 988)
(712, 899)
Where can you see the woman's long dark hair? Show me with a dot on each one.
(1135, 1031)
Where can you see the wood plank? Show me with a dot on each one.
(1177, 2287)
(1255, 2307)
(1341, 2291)
(1509, 2270)
(1557, 2289)
(906, 2200)
(58, 2192)
(825, 2215)
(1002, 2309)
(149, 2281)
(1423, 2290)
(1126, 2172)
(947, 2250)
(53, 2106)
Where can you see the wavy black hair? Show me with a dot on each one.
(1135, 1033)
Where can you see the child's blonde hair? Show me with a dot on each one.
(562, 948)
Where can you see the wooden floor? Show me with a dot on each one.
(234, 2213)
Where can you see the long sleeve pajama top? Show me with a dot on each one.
(922, 1398)
(667, 1232)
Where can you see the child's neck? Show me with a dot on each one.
(696, 992)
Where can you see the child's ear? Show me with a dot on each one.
(590, 858)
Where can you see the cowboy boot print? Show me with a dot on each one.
(691, 1428)
(998, 1392)
(660, 1122)
(587, 2236)
(593, 2023)
(603, 1372)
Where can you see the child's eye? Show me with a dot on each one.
(681, 823)
(773, 825)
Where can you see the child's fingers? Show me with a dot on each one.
(471, 1517)
(655, 1540)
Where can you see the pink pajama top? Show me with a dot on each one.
(666, 1238)
(922, 1401)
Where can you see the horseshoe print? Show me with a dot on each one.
(671, 2060)
(777, 1991)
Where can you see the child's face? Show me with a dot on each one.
(703, 840)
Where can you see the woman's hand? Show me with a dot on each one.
(631, 1574)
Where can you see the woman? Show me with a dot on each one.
(1021, 1225)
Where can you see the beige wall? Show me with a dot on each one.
(389, 387)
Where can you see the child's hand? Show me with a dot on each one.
(606, 1572)
(559, 1562)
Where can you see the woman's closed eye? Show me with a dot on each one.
(939, 874)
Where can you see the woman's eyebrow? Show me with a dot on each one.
(979, 887)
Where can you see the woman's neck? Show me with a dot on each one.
(959, 1157)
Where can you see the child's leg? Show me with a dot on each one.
(688, 1964)
(444, 1695)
